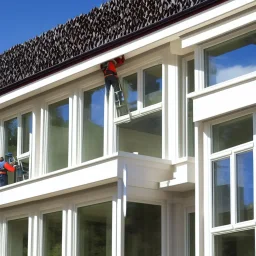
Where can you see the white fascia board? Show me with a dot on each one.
(131, 49)
(219, 29)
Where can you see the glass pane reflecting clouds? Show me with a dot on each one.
(93, 124)
(221, 192)
(244, 165)
(231, 59)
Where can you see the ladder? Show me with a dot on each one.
(121, 103)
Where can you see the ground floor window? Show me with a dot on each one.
(235, 244)
(17, 237)
(52, 234)
(95, 230)
(143, 230)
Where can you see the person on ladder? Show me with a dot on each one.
(111, 78)
(4, 167)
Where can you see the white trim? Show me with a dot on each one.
(234, 22)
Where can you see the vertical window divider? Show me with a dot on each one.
(80, 125)
(43, 139)
(140, 88)
(184, 65)
(65, 240)
(19, 136)
(106, 121)
(233, 196)
(110, 140)
(2, 138)
(70, 128)
(164, 111)
(199, 69)
(30, 234)
(32, 146)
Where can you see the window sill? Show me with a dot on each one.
(222, 86)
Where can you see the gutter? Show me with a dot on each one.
(137, 34)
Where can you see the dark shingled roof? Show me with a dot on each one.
(113, 20)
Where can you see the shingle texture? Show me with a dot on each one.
(114, 19)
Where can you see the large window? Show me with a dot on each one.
(17, 241)
(19, 145)
(233, 187)
(58, 135)
(143, 230)
(94, 228)
(93, 124)
(142, 135)
(231, 59)
(52, 234)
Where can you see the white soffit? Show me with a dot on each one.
(219, 28)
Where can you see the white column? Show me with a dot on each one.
(199, 190)
(173, 107)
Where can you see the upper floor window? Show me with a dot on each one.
(231, 59)
(19, 145)
(58, 135)
(146, 92)
(233, 186)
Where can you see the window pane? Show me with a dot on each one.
(244, 169)
(95, 230)
(221, 192)
(17, 243)
(231, 59)
(152, 85)
(191, 233)
(58, 134)
(232, 133)
(93, 126)
(10, 128)
(26, 131)
(142, 135)
(130, 91)
(235, 244)
(143, 230)
(52, 230)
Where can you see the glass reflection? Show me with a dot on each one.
(58, 134)
(231, 59)
(221, 192)
(130, 90)
(244, 169)
(152, 85)
(93, 124)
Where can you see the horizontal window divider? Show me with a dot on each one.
(23, 156)
(245, 224)
(151, 109)
(243, 147)
(221, 154)
(222, 229)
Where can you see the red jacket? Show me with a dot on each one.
(8, 167)
(109, 67)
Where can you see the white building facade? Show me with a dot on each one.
(175, 179)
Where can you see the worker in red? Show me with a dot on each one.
(111, 78)
(4, 167)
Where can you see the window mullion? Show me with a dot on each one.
(233, 189)
(140, 89)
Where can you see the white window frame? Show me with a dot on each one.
(188, 211)
(142, 111)
(201, 72)
(21, 156)
(210, 230)
(59, 96)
